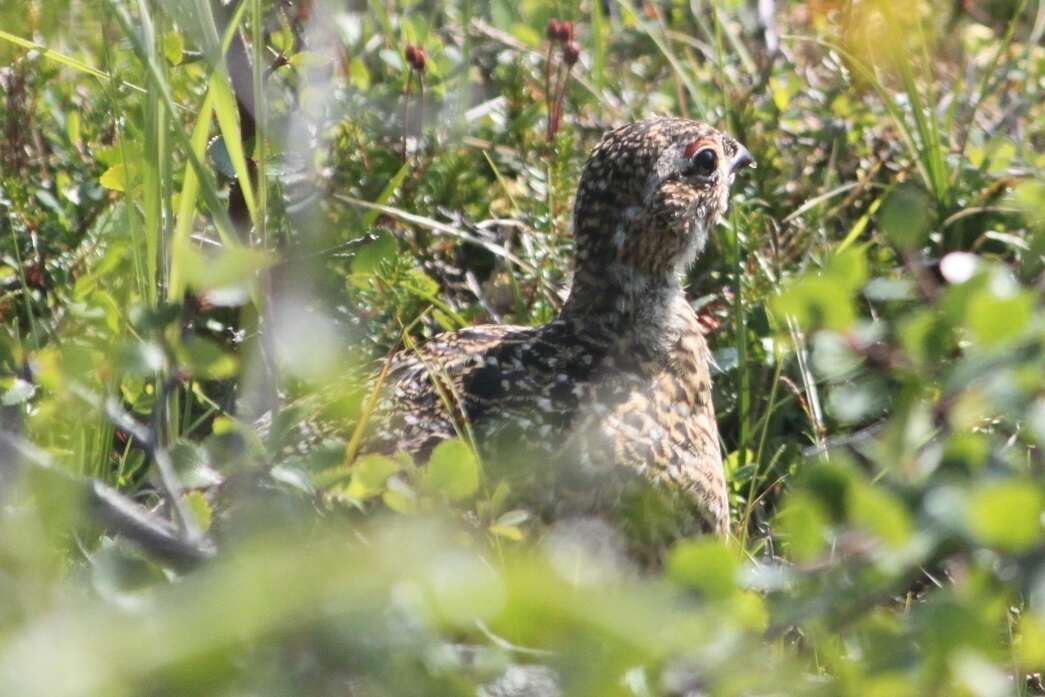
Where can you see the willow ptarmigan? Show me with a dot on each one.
(617, 387)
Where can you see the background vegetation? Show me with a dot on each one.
(196, 283)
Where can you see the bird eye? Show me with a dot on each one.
(704, 162)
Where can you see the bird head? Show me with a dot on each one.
(649, 193)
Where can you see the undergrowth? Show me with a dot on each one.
(217, 218)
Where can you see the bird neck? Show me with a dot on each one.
(622, 302)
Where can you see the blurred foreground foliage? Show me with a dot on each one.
(194, 288)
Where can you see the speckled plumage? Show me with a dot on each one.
(618, 385)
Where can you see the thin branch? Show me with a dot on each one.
(153, 535)
(169, 484)
(436, 226)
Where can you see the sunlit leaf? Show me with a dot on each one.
(142, 358)
(199, 509)
(115, 178)
(706, 565)
(1007, 514)
(369, 259)
(369, 474)
(226, 267)
(309, 60)
(803, 526)
(875, 510)
(508, 532)
(453, 470)
(173, 47)
(206, 360)
(358, 74)
(399, 496)
(996, 320)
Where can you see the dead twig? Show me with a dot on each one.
(150, 533)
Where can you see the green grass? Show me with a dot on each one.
(179, 261)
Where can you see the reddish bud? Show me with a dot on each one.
(554, 29)
(36, 277)
(304, 11)
(421, 60)
(571, 52)
(566, 32)
(411, 55)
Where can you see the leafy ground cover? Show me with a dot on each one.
(217, 218)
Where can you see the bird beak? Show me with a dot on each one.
(741, 160)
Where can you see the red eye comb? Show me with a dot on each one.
(692, 148)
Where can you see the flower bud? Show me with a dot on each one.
(571, 52)
(411, 55)
(554, 29)
(566, 32)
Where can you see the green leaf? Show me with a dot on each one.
(1029, 196)
(225, 268)
(199, 509)
(848, 269)
(995, 320)
(309, 60)
(192, 464)
(399, 496)
(370, 258)
(206, 359)
(282, 40)
(115, 178)
(386, 193)
(1001, 152)
(453, 470)
(72, 127)
(526, 34)
(514, 517)
(508, 532)
(817, 302)
(173, 47)
(142, 358)
(224, 424)
(824, 299)
(1030, 645)
(905, 217)
(875, 510)
(783, 89)
(705, 565)
(925, 335)
(369, 474)
(421, 283)
(358, 75)
(146, 318)
(1006, 514)
(802, 524)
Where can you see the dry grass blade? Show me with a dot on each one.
(436, 226)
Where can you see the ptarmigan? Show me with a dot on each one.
(617, 387)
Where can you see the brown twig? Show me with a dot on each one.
(153, 535)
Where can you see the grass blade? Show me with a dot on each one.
(209, 187)
(65, 60)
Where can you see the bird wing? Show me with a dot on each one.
(499, 382)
